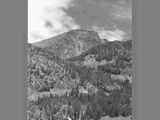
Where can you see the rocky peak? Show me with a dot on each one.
(71, 43)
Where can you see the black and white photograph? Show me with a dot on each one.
(80, 60)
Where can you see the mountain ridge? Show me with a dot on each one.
(71, 43)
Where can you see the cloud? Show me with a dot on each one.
(110, 35)
(51, 13)
(105, 15)
(122, 12)
(48, 18)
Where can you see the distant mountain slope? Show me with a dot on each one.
(117, 55)
(71, 43)
(106, 50)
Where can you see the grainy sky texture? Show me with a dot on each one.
(112, 19)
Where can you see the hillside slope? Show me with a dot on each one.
(90, 85)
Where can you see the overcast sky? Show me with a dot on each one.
(110, 18)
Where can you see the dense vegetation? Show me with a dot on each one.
(94, 84)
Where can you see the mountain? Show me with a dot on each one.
(92, 82)
(71, 43)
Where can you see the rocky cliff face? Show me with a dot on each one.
(76, 67)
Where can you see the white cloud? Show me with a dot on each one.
(40, 11)
(110, 35)
(51, 10)
(121, 12)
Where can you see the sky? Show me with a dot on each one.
(112, 19)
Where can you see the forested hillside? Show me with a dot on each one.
(92, 84)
